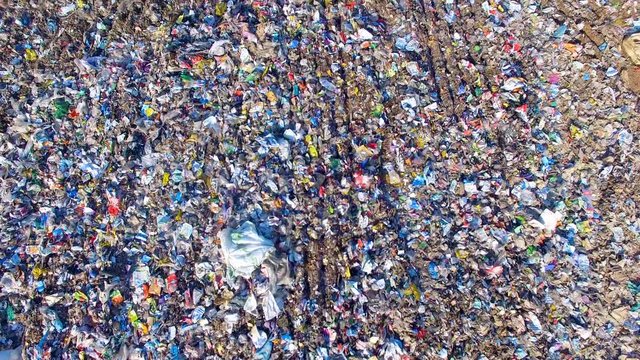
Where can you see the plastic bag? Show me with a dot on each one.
(244, 249)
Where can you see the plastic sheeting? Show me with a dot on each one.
(244, 249)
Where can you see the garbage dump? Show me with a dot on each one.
(319, 179)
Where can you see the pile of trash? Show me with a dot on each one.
(319, 180)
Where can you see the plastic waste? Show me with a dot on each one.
(319, 179)
(244, 249)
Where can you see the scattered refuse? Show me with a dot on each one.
(319, 180)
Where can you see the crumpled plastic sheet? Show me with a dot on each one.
(244, 249)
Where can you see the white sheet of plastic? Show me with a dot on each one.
(251, 305)
(549, 221)
(244, 249)
(270, 306)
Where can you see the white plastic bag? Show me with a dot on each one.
(244, 249)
